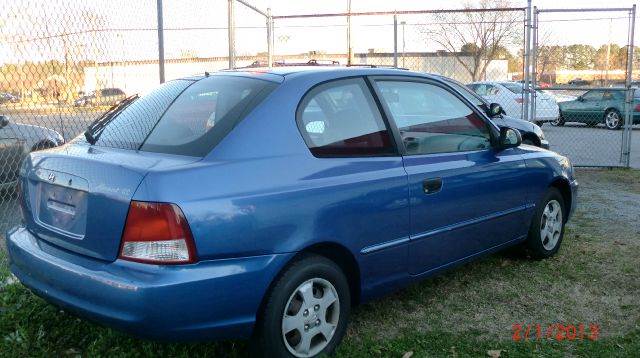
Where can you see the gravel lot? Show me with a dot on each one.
(587, 146)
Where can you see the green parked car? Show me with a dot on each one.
(598, 106)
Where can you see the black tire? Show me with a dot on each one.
(613, 126)
(539, 123)
(535, 243)
(558, 122)
(268, 339)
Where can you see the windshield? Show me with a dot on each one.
(513, 87)
(467, 93)
(185, 117)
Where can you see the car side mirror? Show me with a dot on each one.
(580, 98)
(4, 121)
(495, 110)
(509, 138)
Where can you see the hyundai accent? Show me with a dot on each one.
(265, 203)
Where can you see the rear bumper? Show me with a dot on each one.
(208, 300)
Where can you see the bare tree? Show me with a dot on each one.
(476, 38)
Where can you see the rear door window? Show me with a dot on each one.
(340, 118)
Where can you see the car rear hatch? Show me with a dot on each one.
(78, 197)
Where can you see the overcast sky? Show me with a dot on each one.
(197, 27)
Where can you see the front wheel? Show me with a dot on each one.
(306, 311)
(547, 227)
(613, 119)
(558, 122)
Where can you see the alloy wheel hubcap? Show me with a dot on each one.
(551, 225)
(310, 317)
(613, 119)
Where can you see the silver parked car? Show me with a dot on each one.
(103, 97)
(34, 137)
(12, 152)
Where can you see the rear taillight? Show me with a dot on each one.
(519, 100)
(157, 233)
(637, 108)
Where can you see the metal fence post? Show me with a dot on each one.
(160, 42)
(231, 34)
(395, 40)
(269, 38)
(628, 122)
(534, 64)
(527, 69)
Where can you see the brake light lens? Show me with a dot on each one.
(519, 100)
(157, 233)
(637, 108)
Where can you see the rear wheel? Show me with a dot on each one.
(613, 119)
(547, 227)
(305, 312)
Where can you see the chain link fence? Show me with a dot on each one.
(587, 87)
(62, 65)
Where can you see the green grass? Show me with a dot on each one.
(467, 311)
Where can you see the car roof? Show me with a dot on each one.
(324, 71)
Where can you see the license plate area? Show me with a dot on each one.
(62, 203)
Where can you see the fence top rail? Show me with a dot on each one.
(263, 13)
(398, 12)
(577, 88)
(590, 9)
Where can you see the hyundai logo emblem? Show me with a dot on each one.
(52, 177)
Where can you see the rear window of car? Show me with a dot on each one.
(185, 117)
(513, 87)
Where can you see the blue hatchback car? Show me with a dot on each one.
(265, 203)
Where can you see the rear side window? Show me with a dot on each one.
(340, 118)
(186, 117)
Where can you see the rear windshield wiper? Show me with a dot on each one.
(93, 131)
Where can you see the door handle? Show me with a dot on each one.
(432, 185)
